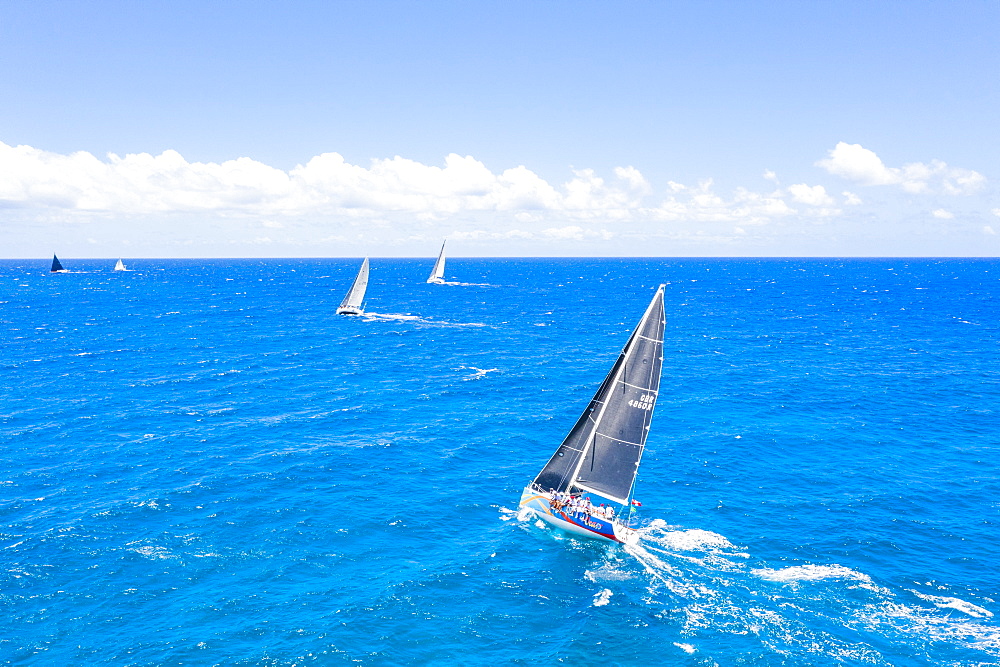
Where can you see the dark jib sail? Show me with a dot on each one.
(56, 266)
(602, 451)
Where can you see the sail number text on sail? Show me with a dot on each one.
(645, 402)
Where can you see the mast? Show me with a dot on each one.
(601, 453)
(437, 273)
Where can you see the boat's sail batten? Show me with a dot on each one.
(602, 451)
(356, 295)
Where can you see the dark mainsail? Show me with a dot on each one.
(602, 451)
(56, 266)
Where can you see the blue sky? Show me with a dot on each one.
(512, 128)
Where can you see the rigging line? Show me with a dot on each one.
(655, 340)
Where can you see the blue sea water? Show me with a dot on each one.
(202, 464)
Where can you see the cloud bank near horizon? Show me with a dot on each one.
(147, 184)
(462, 194)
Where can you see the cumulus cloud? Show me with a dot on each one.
(987, 229)
(327, 185)
(812, 195)
(855, 163)
(942, 214)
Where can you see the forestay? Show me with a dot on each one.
(601, 453)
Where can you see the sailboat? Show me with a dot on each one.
(351, 305)
(120, 266)
(594, 468)
(437, 274)
(57, 267)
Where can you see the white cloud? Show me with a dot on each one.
(996, 212)
(635, 180)
(856, 163)
(942, 214)
(812, 195)
(851, 199)
(987, 229)
(390, 189)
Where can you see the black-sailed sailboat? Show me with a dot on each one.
(351, 305)
(586, 487)
(57, 266)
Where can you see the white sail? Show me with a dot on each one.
(119, 266)
(351, 305)
(437, 275)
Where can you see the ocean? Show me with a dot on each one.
(203, 464)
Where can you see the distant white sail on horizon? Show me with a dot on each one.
(120, 266)
(437, 274)
(351, 305)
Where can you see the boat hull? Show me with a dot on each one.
(349, 310)
(577, 524)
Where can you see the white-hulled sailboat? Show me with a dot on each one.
(120, 266)
(437, 274)
(594, 468)
(351, 305)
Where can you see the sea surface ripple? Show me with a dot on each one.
(202, 464)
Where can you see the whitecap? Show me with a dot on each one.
(602, 598)
(810, 573)
(688, 540)
(954, 603)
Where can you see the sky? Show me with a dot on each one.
(342, 129)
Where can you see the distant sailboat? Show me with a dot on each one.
(351, 305)
(120, 266)
(57, 267)
(595, 466)
(437, 275)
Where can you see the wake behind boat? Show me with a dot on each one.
(351, 305)
(437, 273)
(594, 468)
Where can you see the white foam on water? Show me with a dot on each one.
(478, 373)
(954, 603)
(602, 598)
(694, 540)
(406, 317)
(608, 572)
(810, 573)
(687, 648)
(712, 587)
